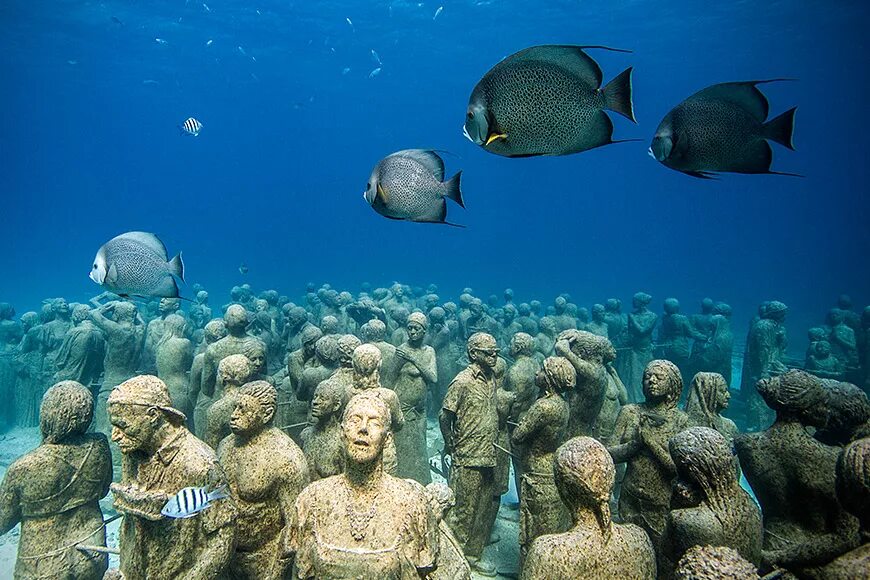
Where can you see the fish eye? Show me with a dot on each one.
(95, 266)
(470, 114)
(368, 185)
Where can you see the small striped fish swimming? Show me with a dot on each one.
(191, 500)
(190, 127)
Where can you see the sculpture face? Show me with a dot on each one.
(322, 406)
(258, 360)
(415, 331)
(723, 396)
(133, 426)
(247, 416)
(656, 383)
(485, 357)
(364, 431)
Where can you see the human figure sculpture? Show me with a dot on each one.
(598, 324)
(786, 467)
(821, 361)
(714, 563)
(641, 441)
(214, 331)
(154, 332)
(616, 320)
(81, 355)
(11, 333)
(638, 341)
(417, 372)
(563, 319)
(26, 391)
(54, 491)
(160, 458)
(325, 364)
(546, 338)
(586, 353)
(842, 339)
(174, 359)
(520, 380)
(124, 331)
(363, 523)
(675, 336)
(441, 338)
(708, 397)
(540, 432)
(399, 319)
(374, 332)
(236, 341)
(366, 377)
(233, 372)
(853, 492)
(469, 426)
(265, 471)
(848, 411)
(594, 547)
(765, 351)
(343, 375)
(53, 334)
(719, 511)
(200, 312)
(452, 564)
(321, 441)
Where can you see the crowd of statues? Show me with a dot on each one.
(620, 430)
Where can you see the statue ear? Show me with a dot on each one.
(268, 415)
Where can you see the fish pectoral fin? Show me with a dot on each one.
(495, 137)
(112, 274)
(382, 193)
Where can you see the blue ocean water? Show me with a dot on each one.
(89, 149)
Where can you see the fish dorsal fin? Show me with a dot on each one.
(148, 240)
(744, 94)
(426, 158)
(570, 57)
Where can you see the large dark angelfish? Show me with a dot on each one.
(722, 128)
(546, 100)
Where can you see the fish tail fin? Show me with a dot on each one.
(221, 492)
(452, 190)
(617, 95)
(781, 129)
(181, 131)
(176, 267)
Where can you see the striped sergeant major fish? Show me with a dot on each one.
(191, 500)
(190, 127)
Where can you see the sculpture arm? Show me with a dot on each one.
(624, 434)
(820, 549)
(10, 504)
(105, 324)
(446, 420)
(429, 368)
(209, 375)
(529, 425)
(585, 371)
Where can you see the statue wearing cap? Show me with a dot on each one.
(160, 458)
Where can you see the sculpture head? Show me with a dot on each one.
(326, 350)
(510, 313)
(347, 343)
(255, 352)
(774, 310)
(822, 349)
(585, 474)
(366, 364)
(705, 463)
(662, 382)
(169, 305)
(327, 400)
(124, 312)
(373, 331)
(482, 350)
(524, 309)
(270, 296)
(255, 409)
(309, 337)
(365, 427)
(853, 480)
(430, 301)
(560, 304)
(476, 307)
(296, 317)
(236, 319)
(66, 411)
(848, 411)
(844, 302)
(139, 408)
(215, 330)
(556, 375)
(235, 370)
(522, 344)
(707, 306)
(60, 307)
(202, 297)
(713, 563)
(173, 327)
(722, 309)
(437, 315)
(640, 300)
(613, 305)
(835, 317)
(261, 305)
(796, 395)
(598, 313)
(508, 295)
(817, 333)
(450, 309)
(417, 326)
(672, 306)
(329, 324)
(81, 313)
(710, 392)
(29, 320)
(547, 326)
(588, 346)
(7, 312)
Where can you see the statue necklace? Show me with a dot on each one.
(359, 521)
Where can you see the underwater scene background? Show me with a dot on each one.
(298, 101)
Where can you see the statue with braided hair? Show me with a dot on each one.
(641, 436)
(708, 507)
(594, 547)
(586, 352)
(266, 471)
(541, 430)
(708, 397)
(787, 467)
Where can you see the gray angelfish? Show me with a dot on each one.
(546, 100)
(136, 264)
(722, 128)
(409, 185)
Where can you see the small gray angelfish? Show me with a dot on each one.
(409, 185)
(136, 264)
(722, 128)
(191, 500)
(546, 100)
